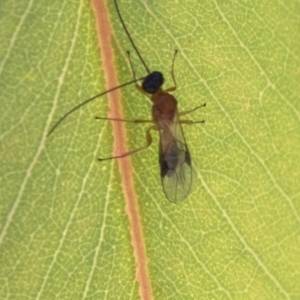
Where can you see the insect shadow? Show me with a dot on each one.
(174, 155)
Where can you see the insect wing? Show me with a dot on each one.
(175, 162)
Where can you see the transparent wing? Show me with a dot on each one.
(175, 162)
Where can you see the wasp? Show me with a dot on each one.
(174, 156)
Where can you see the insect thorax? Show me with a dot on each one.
(164, 109)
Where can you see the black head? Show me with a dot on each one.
(153, 82)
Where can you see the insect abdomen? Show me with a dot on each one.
(169, 160)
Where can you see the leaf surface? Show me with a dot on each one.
(65, 231)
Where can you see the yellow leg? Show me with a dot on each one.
(149, 142)
(123, 120)
(189, 111)
(172, 89)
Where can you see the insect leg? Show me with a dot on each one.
(139, 88)
(131, 65)
(149, 142)
(172, 89)
(189, 111)
(190, 122)
(123, 120)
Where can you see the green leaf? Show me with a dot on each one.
(67, 229)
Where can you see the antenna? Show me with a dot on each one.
(130, 39)
(89, 100)
(151, 83)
